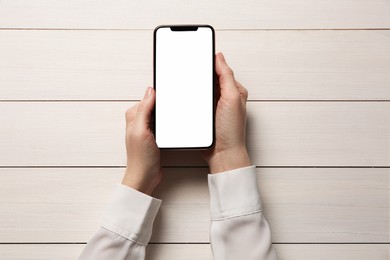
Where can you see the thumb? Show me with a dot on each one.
(225, 74)
(145, 108)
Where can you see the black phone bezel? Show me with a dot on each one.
(186, 27)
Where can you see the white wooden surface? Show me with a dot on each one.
(203, 252)
(345, 205)
(117, 65)
(279, 134)
(226, 14)
(318, 73)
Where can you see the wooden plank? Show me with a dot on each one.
(302, 205)
(97, 14)
(117, 65)
(193, 251)
(279, 134)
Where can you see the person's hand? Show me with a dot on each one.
(229, 151)
(143, 171)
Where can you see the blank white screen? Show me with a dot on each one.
(184, 88)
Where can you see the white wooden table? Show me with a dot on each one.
(318, 73)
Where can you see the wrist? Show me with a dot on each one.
(134, 181)
(229, 160)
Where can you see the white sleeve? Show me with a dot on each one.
(239, 229)
(126, 228)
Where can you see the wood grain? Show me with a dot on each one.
(279, 134)
(291, 55)
(203, 252)
(309, 205)
(122, 14)
(273, 65)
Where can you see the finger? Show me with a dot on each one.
(225, 74)
(145, 108)
(243, 91)
(130, 114)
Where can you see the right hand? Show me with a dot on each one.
(229, 151)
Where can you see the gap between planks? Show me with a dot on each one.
(201, 243)
(249, 100)
(187, 166)
(149, 29)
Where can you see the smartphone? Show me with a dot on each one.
(184, 81)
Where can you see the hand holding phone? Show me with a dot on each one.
(143, 169)
(229, 151)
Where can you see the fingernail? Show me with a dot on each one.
(148, 92)
(222, 57)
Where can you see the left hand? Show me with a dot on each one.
(143, 171)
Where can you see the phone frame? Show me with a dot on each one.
(186, 27)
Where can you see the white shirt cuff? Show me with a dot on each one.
(234, 193)
(131, 214)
